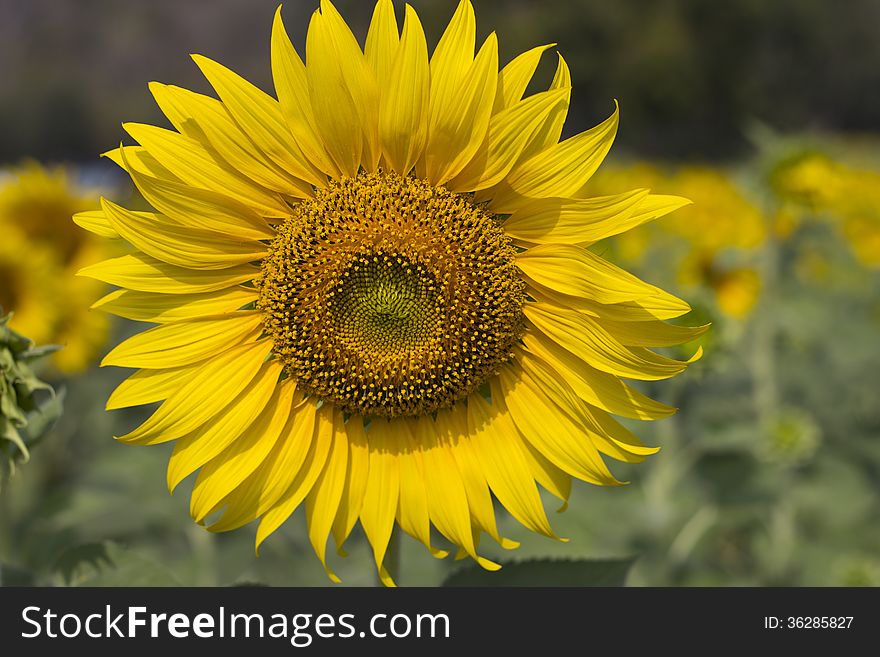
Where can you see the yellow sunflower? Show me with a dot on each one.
(373, 294)
(39, 253)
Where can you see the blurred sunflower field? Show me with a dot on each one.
(767, 476)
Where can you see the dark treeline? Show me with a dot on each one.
(690, 75)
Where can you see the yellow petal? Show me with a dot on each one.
(292, 87)
(164, 308)
(652, 333)
(194, 450)
(447, 499)
(595, 387)
(274, 476)
(576, 272)
(184, 246)
(322, 503)
(608, 436)
(475, 485)
(412, 505)
(550, 132)
(259, 117)
(355, 482)
(507, 135)
(559, 171)
(223, 474)
(507, 471)
(381, 45)
(515, 77)
(383, 489)
(548, 475)
(149, 386)
(343, 92)
(573, 221)
(550, 431)
(403, 106)
(585, 221)
(199, 208)
(207, 121)
(141, 272)
(452, 60)
(210, 389)
(584, 337)
(137, 158)
(185, 342)
(306, 476)
(192, 164)
(458, 122)
(95, 221)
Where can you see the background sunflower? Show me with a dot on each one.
(768, 474)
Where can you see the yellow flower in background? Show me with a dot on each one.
(374, 295)
(720, 220)
(39, 254)
(846, 196)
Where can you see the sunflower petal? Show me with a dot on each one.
(194, 450)
(447, 499)
(505, 465)
(274, 476)
(223, 474)
(202, 209)
(184, 246)
(322, 503)
(138, 271)
(149, 386)
(562, 440)
(507, 135)
(549, 133)
(382, 491)
(188, 160)
(164, 308)
(259, 116)
(458, 123)
(576, 272)
(572, 221)
(95, 221)
(185, 342)
(403, 106)
(412, 506)
(292, 86)
(210, 389)
(602, 390)
(382, 40)
(476, 487)
(343, 92)
(355, 483)
(207, 120)
(515, 77)
(584, 337)
(558, 171)
(306, 476)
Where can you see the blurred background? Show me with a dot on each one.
(766, 115)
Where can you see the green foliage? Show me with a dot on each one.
(546, 572)
(25, 414)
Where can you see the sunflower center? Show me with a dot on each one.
(391, 297)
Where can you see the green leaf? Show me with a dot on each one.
(118, 566)
(89, 556)
(547, 572)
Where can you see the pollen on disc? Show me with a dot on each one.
(391, 297)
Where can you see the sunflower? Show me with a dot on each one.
(373, 294)
(39, 253)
